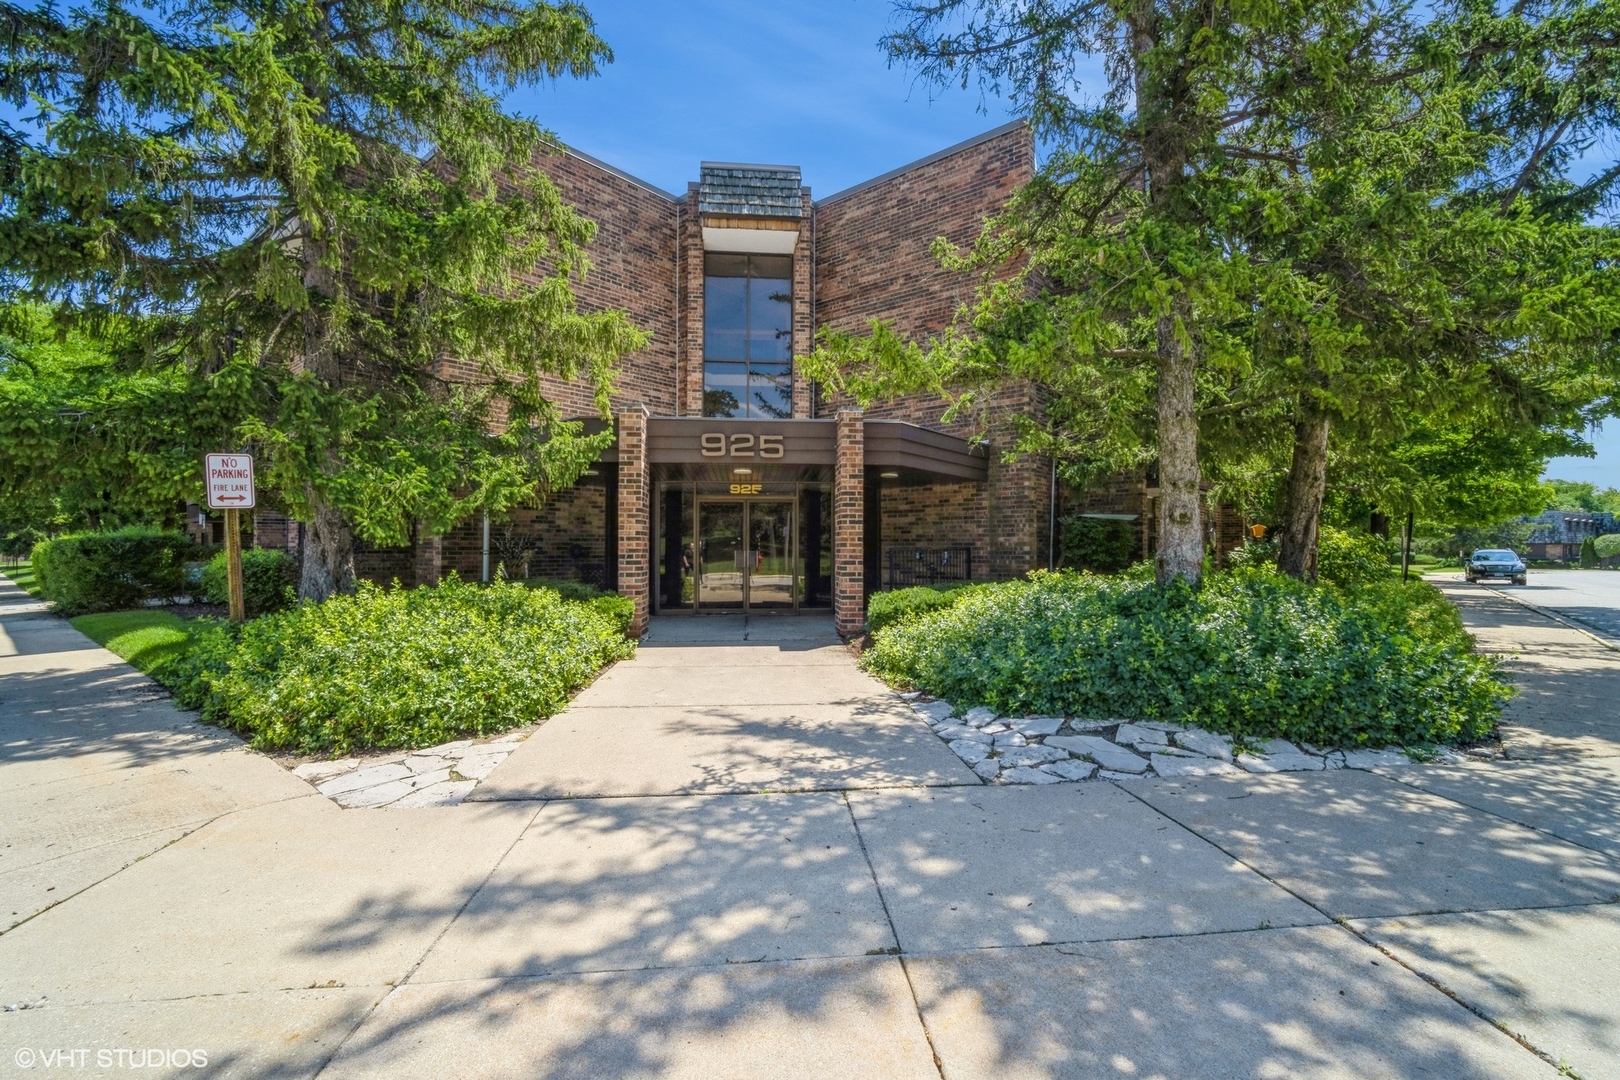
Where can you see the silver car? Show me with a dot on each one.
(1495, 563)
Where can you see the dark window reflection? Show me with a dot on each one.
(748, 317)
(770, 391)
(725, 389)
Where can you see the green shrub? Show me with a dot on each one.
(1347, 559)
(396, 667)
(1250, 653)
(37, 558)
(1253, 554)
(1105, 545)
(267, 580)
(111, 571)
(621, 609)
(1589, 554)
(884, 609)
(1607, 546)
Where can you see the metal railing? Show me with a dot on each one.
(928, 566)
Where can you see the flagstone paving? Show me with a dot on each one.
(737, 856)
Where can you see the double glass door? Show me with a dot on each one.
(745, 556)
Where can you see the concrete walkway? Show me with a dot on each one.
(738, 856)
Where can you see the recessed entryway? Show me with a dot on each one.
(745, 557)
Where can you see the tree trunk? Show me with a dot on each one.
(328, 542)
(1181, 526)
(1307, 484)
(1161, 101)
(328, 554)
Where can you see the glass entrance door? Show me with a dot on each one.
(745, 556)
(721, 555)
(770, 567)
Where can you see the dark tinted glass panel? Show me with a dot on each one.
(675, 585)
(770, 266)
(725, 389)
(719, 264)
(770, 391)
(815, 548)
(770, 319)
(725, 318)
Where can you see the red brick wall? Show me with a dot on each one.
(874, 261)
(690, 278)
(632, 269)
(873, 245)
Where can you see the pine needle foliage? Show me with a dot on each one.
(324, 210)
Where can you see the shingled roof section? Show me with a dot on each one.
(749, 190)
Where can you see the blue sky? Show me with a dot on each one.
(800, 84)
(718, 80)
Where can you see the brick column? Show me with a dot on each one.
(849, 513)
(635, 515)
(690, 347)
(427, 558)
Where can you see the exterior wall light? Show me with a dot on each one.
(591, 472)
(888, 475)
(739, 471)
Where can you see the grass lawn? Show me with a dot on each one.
(142, 637)
(23, 577)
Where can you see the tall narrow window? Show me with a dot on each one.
(748, 335)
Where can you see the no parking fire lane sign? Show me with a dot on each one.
(230, 482)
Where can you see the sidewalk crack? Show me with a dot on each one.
(1344, 924)
(405, 979)
(894, 934)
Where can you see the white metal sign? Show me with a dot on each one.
(230, 482)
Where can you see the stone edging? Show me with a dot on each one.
(441, 775)
(1055, 750)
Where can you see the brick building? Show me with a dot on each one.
(734, 484)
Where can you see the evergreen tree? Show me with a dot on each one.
(323, 213)
(1266, 239)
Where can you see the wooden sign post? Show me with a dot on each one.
(229, 479)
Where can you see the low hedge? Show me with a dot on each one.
(884, 609)
(111, 571)
(621, 609)
(267, 580)
(1250, 653)
(395, 668)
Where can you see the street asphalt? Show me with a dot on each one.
(737, 856)
(1588, 597)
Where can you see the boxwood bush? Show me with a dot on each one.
(395, 667)
(267, 580)
(884, 609)
(111, 571)
(1249, 653)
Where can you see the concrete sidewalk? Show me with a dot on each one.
(778, 872)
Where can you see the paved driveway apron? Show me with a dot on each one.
(738, 856)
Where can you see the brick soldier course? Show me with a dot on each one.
(804, 505)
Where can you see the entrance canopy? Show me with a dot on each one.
(691, 443)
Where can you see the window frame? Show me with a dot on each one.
(770, 369)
